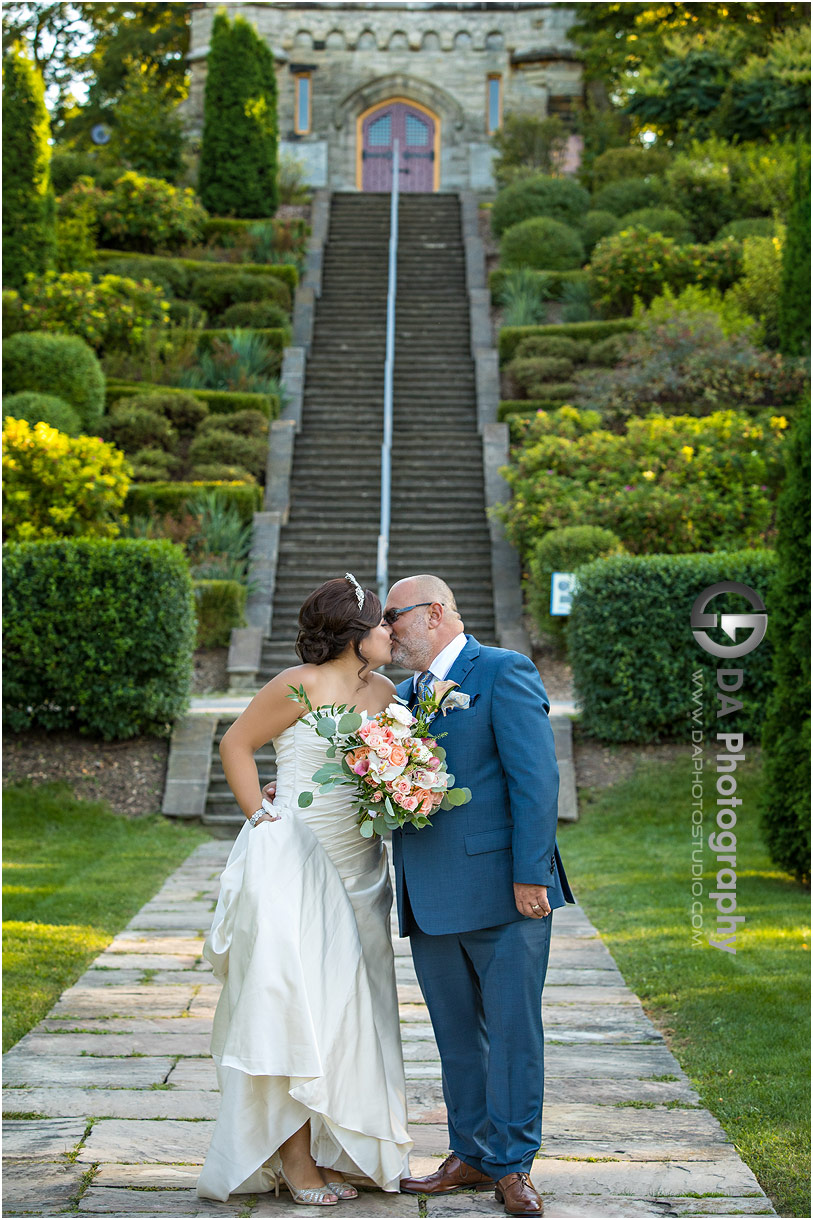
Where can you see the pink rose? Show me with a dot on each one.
(427, 805)
(402, 786)
(383, 750)
(434, 764)
(377, 796)
(398, 756)
(409, 802)
(375, 737)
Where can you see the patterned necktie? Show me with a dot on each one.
(425, 684)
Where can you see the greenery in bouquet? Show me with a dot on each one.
(392, 761)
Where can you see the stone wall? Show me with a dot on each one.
(438, 55)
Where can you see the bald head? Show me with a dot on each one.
(421, 633)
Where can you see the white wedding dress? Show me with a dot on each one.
(307, 1023)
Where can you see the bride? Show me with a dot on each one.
(306, 1035)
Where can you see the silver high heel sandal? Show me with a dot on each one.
(343, 1189)
(310, 1196)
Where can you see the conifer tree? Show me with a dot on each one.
(794, 300)
(785, 813)
(28, 202)
(238, 160)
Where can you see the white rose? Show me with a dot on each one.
(400, 714)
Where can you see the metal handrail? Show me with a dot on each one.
(382, 563)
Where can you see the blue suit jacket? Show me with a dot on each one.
(460, 871)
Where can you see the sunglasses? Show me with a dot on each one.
(391, 616)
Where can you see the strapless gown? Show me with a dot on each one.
(307, 1025)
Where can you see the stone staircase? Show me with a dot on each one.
(439, 520)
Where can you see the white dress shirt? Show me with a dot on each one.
(445, 659)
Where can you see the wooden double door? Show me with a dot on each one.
(416, 131)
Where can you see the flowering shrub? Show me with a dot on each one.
(112, 312)
(637, 263)
(667, 483)
(59, 486)
(687, 363)
(148, 214)
(760, 289)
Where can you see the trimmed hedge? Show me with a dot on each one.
(633, 654)
(511, 336)
(542, 242)
(99, 636)
(159, 499)
(219, 402)
(219, 606)
(509, 407)
(286, 272)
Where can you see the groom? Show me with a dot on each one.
(475, 894)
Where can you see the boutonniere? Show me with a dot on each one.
(445, 698)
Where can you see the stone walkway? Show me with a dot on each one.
(110, 1100)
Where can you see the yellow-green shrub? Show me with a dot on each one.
(59, 486)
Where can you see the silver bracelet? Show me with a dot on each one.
(255, 817)
(266, 807)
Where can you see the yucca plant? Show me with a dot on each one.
(222, 532)
(523, 297)
(242, 362)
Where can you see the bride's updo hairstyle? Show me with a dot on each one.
(331, 618)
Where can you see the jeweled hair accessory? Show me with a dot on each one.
(350, 578)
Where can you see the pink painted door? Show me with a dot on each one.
(415, 132)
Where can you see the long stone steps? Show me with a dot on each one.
(439, 521)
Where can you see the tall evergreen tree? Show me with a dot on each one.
(785, 813)
(238, 160)
(794, 300)
(28, 201)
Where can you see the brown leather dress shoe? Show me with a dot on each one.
(520, 1196)
(452, 1175)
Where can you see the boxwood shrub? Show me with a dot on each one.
(99, 636)
(629, 194)
(188, 269)
(562, 550)
(219, 606)
(37, 408)
(633, 654)
(62, 365)
(160, 499)
(558, 198)
(511, 336)
(542, 243)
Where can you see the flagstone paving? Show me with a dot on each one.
(110, 1101)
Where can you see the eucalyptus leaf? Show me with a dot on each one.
(305, 799)
(439, 752)
(446, 803)
(349, 723)
(366, 830)
(326, 726)
(467, 794)
(379, 826)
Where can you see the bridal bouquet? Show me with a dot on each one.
(394, 764)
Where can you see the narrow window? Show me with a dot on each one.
(302, 117)
(494, 104)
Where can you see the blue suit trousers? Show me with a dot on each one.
(490, 979)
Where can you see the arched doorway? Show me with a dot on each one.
(417, 130)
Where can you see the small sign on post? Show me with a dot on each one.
(562, 588)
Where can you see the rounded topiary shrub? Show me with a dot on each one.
(221, 472)
(597, 224)
(752, 226)
(563, 550)
(628, 194)
(133, 428)
(659, 220)
(153, 465)
(243, 423)
(561, 346)
(257, 314)
(222, 446)
(610, 351)
(545, 244)
(557, 198)
(216, 291)
(37, 408)
(536, 374)
(61, 365)
(187, 313)
(184, 411)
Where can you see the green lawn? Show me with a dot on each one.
(738, 1024)
(74, 874)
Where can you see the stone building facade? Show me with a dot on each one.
(439, 77)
